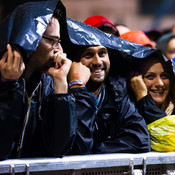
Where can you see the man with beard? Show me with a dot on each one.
(107, 121)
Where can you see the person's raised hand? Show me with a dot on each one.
(79, 72)
(138, 86)
(11, 64)
(60, 72)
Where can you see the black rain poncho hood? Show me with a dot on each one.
(26, 24)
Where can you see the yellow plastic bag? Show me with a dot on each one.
(162, 134)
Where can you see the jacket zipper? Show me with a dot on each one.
(26, 119)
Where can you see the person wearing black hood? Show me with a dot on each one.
(107, 121)
(33, 74)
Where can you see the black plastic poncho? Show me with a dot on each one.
(26, 24)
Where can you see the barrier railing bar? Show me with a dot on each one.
(27, 169)
(86, 162)
(144, 166)
(12, 169)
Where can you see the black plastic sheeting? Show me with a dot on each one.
(26, 24)
(82, 34)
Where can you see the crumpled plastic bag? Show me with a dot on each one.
(162, 134)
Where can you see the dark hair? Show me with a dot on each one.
(154, 35)
(139, 63)
(57, 14)
(109, 29)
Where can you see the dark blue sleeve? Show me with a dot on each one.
(59, 124)
(86, 113)
(148, 109)
(11, 116)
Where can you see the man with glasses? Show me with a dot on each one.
(55, 41)
(33, 74)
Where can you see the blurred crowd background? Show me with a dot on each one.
(136, 14)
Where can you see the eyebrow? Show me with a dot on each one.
(91, 49)
(52, 36)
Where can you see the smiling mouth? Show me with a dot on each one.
(158, 91)
(96, 71)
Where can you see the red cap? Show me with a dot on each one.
(97, 21)
(137, 37)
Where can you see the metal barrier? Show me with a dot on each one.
(152, 163)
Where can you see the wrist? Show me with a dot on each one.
(60, 86)
(8, 80)
(140, 96)
(76, 84)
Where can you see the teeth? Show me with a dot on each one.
(97, 71)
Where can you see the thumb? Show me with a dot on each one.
(51, 71)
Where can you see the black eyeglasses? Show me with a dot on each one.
(55, 41)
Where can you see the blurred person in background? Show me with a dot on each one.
(103, 24)
(137, 36)
(154, 35)
(166, 44)
(122, 28)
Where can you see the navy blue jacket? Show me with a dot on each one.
(148, 109)
(116, 127)
(25, 130)
(29, 124)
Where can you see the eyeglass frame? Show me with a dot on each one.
(53, 39)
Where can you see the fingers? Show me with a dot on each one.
(136, 78)
(61, 61)
(51, 71)
(4, 57)
(133, 74)
(3, 60)
(22, 68)
(62, 66)
(59, 58)
(18, 61)
(79, 72)
(67, 63)
(11, 64)
(10, 55)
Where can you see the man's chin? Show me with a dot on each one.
(94, 82)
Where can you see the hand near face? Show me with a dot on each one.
(11, 64)
(60, 72)
(79, 72)
(138, 86)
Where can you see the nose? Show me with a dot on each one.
(159, 82)
(58, 48)
(96, 60)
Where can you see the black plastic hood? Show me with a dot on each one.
(122, 53)
(82, 34)
(26, 24)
